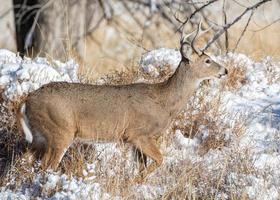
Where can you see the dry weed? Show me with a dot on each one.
(164, 72)
(236, 77)
(205, 115)
(272, 71)
(116, 78)
(12, 144)
(221, 178)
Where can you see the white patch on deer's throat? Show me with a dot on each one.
(197, 84)
(24, 124)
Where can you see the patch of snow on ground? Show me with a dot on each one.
(21, 76)
(159, 60)
(71, 188)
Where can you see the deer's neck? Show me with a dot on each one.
(179, 88)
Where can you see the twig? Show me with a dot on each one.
(6, 12)
(107, 9)
(244, 30)
(32, 29)
(225, 22)
(26, 12)
(240, 4)
(166, 16)
(194, 13)
(89, 31)
(261, 29)
(207, 21)
(227, 26)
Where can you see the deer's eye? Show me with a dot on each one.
(208, 61)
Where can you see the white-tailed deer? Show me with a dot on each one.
(53, 116)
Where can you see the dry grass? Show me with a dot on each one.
(128, 76)
(12, 144)
(236, 77)
(205, 182)
(272, 71)
(209, 179)
(117, 78)
(204, 114)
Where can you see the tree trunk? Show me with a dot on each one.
(7, 26)
(62, 26)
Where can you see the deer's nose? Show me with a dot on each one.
(226, 71)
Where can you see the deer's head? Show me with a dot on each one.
(203, 66)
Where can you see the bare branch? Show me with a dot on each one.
(227, 26)
(107, 9)
(274, 22)
(89, 31)
(244, 30)
(32, 29)
(225, 22)
(6, 12)
(26, 12)
(195, 12)
(240, 4)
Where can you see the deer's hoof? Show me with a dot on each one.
(139, 179)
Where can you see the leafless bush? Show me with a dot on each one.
(12, 144)
(202, 115)
(236, 75)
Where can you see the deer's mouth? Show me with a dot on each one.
(221, 75)
(224, 73)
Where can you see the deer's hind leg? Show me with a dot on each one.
(142, 159)
(58, 141)
(147, 146)
(52, 157)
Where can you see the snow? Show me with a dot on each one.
(258, 100)
(159, 60)
(21, 76)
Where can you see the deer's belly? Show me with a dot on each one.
(101, 130)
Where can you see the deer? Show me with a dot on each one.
(58, 113)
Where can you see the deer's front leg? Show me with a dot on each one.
(147, 147)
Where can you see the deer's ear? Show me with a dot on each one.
(186, 51)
